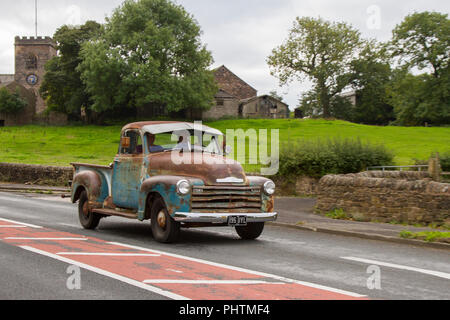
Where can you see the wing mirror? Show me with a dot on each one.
(227, 150)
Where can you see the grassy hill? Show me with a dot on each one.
(98, 145)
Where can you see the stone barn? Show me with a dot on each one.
(238, 99)
(263, 107)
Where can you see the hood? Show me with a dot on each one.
(208, 168)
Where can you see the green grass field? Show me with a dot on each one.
(98, 145)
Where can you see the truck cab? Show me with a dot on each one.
(177, 175)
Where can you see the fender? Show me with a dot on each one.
(257, 181)
(93, 184)
(166, 187)
(268, 202)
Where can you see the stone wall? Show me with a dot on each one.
(228, 107)
(35, 174)
(296, 187)
(404, 197)
(26, 115)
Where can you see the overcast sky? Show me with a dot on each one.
(240, 33)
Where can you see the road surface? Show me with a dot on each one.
(45, 254)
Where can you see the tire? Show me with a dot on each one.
(88, 219)
(164, 228)
(250, 232)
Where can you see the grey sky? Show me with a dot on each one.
(240, 33)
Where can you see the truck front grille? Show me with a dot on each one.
(226, 199)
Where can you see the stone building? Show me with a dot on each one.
(31, 55)
(238, 99)
(263, 107)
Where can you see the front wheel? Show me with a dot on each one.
(88, 219)
(164, 228)
(251, 231)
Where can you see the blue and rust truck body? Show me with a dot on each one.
(213, 192)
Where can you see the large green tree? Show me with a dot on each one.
(371, 77)
(62, 86)
(422, 42)
(149, 55)
(320, 51)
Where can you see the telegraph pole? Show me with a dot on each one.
(35, 18)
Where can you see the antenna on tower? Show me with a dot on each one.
(35, 18)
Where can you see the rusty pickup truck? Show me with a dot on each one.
(177, 175)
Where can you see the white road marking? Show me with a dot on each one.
(107, 254)
(5, 226)
(399, 266)
(176, 271)
(21, 223)
(47, 239)
(161, 281)
(108, 274)
(262, 274)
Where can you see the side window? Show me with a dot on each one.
(131, 143)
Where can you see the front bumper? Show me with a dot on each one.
(220, 218)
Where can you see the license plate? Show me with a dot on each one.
(237, 221)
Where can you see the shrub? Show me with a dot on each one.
(445, 161)
(318, 158)
(11, 102)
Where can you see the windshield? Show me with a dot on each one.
(183, 141)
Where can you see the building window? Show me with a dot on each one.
(31, 61)
(2, 123)
(220, 102)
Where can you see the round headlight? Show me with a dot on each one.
(183, 187)
(269, 188)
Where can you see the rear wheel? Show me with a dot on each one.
(88, 219)
(251, 231)
(164, 228)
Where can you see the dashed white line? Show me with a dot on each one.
(107, 254)
(399, 266)
(47, 239)
(176, 271)
(164, 281)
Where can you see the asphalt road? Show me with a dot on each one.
(210, 263)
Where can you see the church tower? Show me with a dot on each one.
(32, 53)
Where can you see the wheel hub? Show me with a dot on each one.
(162, 219)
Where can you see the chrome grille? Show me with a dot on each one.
(226, 199)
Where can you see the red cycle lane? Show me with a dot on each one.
(171, 275)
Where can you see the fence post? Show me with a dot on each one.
(434, 167)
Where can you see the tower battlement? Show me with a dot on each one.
(34, 41)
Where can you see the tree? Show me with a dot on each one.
(149, 54)
(62, 87)
(10, 102)
(321, 51)
(422, 40)
(420, 99)
(371, 77)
